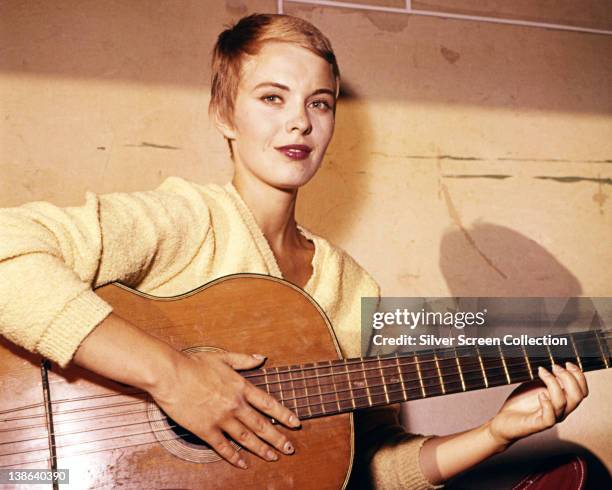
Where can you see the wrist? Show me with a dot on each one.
(162, 376)
(495, 441)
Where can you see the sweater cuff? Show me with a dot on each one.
(409, 470)
(78, 318)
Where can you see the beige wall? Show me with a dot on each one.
(469, 158)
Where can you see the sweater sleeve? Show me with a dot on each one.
(51, 258)
(387, 457)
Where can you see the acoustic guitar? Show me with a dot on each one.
(110, 436)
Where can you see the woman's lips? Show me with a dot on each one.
(295, 152)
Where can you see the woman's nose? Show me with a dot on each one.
(299, 121)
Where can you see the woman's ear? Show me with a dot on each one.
(225, 127)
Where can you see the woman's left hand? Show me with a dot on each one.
(530, 409)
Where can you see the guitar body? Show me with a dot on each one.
(123, 440)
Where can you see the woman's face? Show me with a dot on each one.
(283, 116)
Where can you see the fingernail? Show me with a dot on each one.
(571, 366)
(557, 369)
(242, 464)
(294, 421)
(271, 455)
(259, 357)
(288, 448)
(543, 371)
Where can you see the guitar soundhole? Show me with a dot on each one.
(185, 435)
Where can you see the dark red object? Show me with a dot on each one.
(560, 473)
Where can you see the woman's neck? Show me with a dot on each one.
(273, 210)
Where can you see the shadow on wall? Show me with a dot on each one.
(489, 260)
(492, 260)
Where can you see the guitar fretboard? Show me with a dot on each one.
(343, 385)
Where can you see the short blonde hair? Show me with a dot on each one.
(246, 38)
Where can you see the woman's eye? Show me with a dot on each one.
(271, 99)
(321, 104)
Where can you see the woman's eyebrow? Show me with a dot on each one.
(287, 89)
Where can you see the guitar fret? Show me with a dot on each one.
(350, 385)
(418, 369)
(450, 373)
(298, 391)
(280, 386)
(344, 396)
(313, 390)
(603, 355)
(382, 374)
(410, 375)
(333, 378)
(552, 359)
(401, 377)
(266, 384)
(503, 360)
(590, 348)
(527, 362)
(291, 396)
(307, 398)
(484, 374)
(318, 380)
(575, 351)
(439, 373)
(391, 380)
(459, 369)
(365, 381)
(564, 353)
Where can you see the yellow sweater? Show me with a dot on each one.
(166, 242)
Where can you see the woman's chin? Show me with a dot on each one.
(292, 182)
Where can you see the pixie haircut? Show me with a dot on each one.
(246, 38)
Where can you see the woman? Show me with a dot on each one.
(274, 93)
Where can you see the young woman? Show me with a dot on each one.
(274, 92)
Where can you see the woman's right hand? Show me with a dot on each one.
(201, 392)
(206, 395)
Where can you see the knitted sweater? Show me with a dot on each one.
(166, 242)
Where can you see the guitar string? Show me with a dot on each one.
(405, 396)
(178, 436)
(94, 441)
(77, 398)
(246, 376)
(606, 334)
(295, 399)
(82, 453)
(473, 362)
(289, 370)
(414, 354)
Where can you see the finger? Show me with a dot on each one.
(224, 449)
(242, 361)
(245, 437)
(264, 429)
(547, 416)
(573, 393)
(555, 392)
(267, 404)
(580, 377)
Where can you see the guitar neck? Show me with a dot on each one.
(344, 385)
